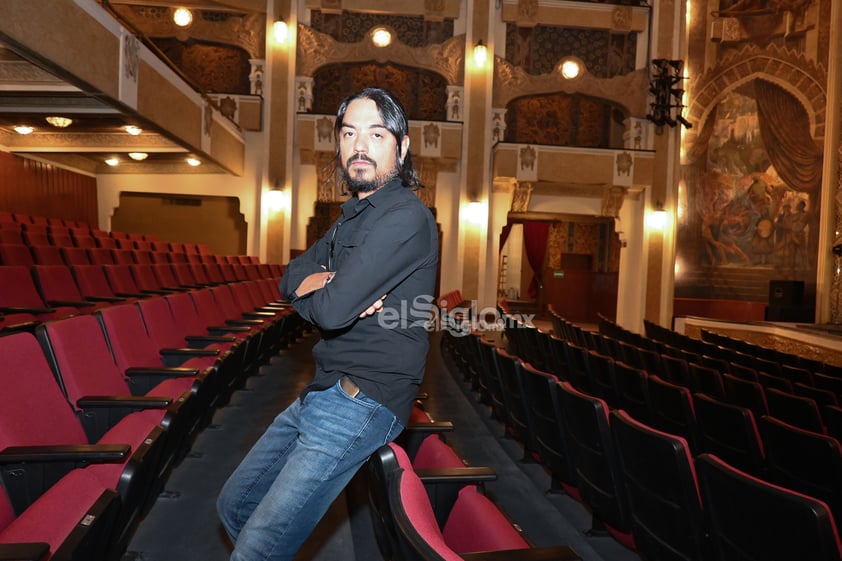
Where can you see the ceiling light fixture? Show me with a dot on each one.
(133, 130)
(194, 161)
(23, 129)
(112, 161)
(60, 122)
(381, 37)
(182, 17)
(138, 156)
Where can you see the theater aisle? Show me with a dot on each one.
(183, 524)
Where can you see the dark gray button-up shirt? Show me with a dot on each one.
(387, 244)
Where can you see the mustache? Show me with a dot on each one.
(361, 157)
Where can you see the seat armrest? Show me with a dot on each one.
(158, 291)
(244, 322)
(126, 401)
(228, 329)
(169, 372)
(81, 453)
(132, 295)
(208, 339)
(462, 475)
(551, 553)
(187, 352)
(25, 310)
(32, 551)
(71, 303)
(111, 299)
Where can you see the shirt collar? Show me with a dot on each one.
(382, 195)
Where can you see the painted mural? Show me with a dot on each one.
(749, 195)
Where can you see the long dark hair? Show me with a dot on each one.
(395, 121)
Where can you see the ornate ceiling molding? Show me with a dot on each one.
(316, 49)
(244, 30)
(628, 91)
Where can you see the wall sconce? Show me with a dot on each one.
(570, 68)
(475, 213)
(381, 37)
(657, 219)
(480, 54)
(182, 17)
(280, 31)
(275, 197)
(668, 104)
(23, 129)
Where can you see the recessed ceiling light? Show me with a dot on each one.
(133, 130)
(112, 161)
(23, 129)
(139, 156)
(60, 122)
(194, 161)
(182, 17)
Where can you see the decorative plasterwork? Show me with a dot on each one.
(247, 31)
(628, 91)
(91, 142)
(803, 78)
(316, 50)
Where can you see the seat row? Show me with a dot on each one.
(582, 441)
(98, 408)
(42, 292)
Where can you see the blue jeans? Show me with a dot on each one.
(293, 473)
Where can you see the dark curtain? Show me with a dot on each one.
(785, 130)
(504, 234)
(535, 239)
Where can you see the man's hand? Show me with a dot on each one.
(313, 282)
(374, 308)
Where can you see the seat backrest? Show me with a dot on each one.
(160, 323)
(676, 370)
(745, 393)
(74, 255)
(662, 489)
(120, 279)
(47, 255)
(587, 433)
(100, 256)
(795, 410)
(513, 395)
(754, 520)
(730, 432)
(706, 380)
(122, 256)
(91, 281)
(16, 254)
(34, 411)
(672, 410)
(78, 352)
(144, 277)
(435, 453)
(164, 274)
(126, 333)
(806, 461)
(632, 391)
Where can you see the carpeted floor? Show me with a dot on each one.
(183, 525)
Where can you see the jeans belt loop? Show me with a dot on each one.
(348, 386)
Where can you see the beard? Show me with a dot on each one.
(356, 181)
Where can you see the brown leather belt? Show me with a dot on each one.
(348, 386)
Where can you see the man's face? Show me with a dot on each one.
(367, 150)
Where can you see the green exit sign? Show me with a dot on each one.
(558, 274)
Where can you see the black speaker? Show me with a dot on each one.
(786, 293)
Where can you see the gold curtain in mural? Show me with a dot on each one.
(785, 129)
(699, 151)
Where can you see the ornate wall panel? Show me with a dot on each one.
(423, 94)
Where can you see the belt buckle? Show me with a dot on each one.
(349, 387)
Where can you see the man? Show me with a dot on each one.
(381, 254)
